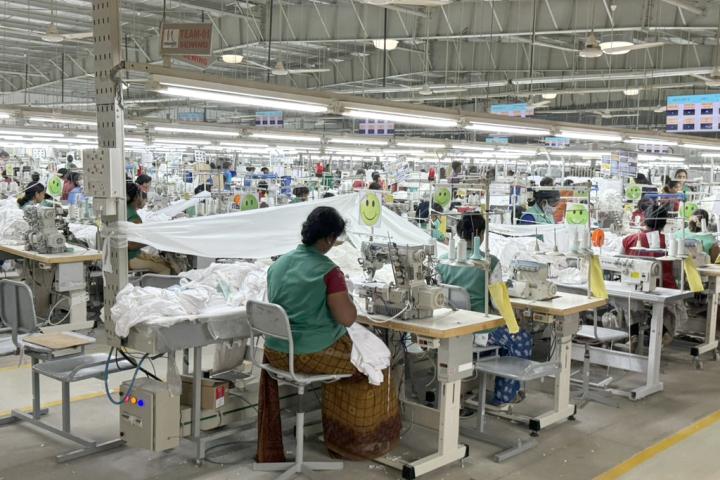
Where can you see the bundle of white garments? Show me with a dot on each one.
(213, 290)
(12, 222)
(267, 232)
(200, 292)
(84, 232)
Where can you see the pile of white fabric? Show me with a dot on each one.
(199, 292)
(12, 223)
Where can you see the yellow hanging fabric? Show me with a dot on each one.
(693, 276)
(597, 282)
(501, 299)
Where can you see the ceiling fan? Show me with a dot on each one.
(53, 35)
(535, 104)
(607, 114)
(280, 70)
(594, 48)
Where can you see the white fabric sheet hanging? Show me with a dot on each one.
(265, 232)
(181, 205)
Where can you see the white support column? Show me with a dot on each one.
(105, 172)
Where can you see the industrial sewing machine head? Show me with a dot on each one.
(529, 280)
(43, 235)
(409, 296)
(644, 274)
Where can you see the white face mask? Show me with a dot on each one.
(548, 210)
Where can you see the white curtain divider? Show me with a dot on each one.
(265, 232)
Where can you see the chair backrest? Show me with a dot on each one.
(17, 309)
(158, 281)
(270, 320)
(458, 297)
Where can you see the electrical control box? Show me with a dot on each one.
(455, 358)
(149, 415)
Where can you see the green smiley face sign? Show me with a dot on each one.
(370, 209)
(689, 210)
(249, 202)
(633, 192)
(443, 196)
(577, 214)
(55, 186)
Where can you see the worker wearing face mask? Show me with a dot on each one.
(694, 231)
(542, 210)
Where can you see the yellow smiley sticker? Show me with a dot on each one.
(370, 209)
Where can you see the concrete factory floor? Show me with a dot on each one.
(600, 442)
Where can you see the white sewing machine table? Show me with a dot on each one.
(563, 312)
(453, 334)
(650, 364)
(67, 270)
(711, 342)
(224, 325)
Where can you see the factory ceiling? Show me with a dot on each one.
(464, 54)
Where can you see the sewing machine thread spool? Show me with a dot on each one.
(461, 250)
(574, 244)
(452, 253)
(672, 246)
(583, 240)
(680, 247)
(476, 249)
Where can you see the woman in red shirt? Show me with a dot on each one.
(655, 220)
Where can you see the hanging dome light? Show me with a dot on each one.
(549, 96)
(386, 44)
(631, 92)
(232, 58)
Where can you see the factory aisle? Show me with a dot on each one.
(689, 453)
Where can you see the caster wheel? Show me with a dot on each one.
(534, 434)
(571, 418)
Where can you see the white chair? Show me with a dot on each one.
(270, 321)
(17, 310)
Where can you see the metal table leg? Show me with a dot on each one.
(196, 407)
(711, 343)
(652, 378)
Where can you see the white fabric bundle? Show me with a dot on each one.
(369, 354)
(12, 222)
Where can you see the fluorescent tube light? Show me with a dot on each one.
(180, 141)
(586, 135)
(38, 133)
(290, 138)
(223, 133)
(577, 153)
(463, 146)
(241, 145)
(242, 99)
(358, 141)
(410, 119)
(697, 146)
(4, 115)
(420, 144)
(63, 120)
(496, 128)
(652, 157)
(650, 141)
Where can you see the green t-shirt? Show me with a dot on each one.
(132, 216)
(296, 282)
(471, 279)
(707, 239)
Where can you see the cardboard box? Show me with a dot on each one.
(212, 393)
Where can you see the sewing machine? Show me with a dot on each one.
(43, 235)
(410, 296)
(644, 274)
(529, 280)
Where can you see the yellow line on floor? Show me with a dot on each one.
(664, 444)
(15, 367)
(57, 403)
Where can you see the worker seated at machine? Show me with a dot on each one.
(34, 195)
(137, 259)
(650, 242)
(473, 280)
(542, 210)
(359, 420)
(301, 194)
(697, 229)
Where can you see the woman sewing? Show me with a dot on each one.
(137, 259)
(33, 195)
(542, 211)
(359, 420)
(697, 230)
(473, 280)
